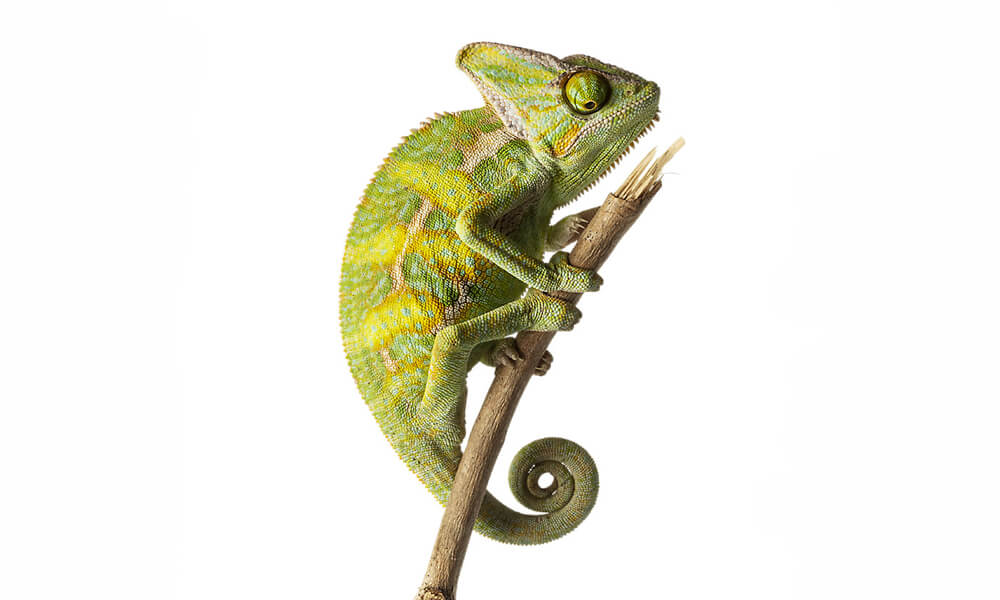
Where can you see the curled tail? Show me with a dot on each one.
(565, 502)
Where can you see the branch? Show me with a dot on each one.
(619, 211)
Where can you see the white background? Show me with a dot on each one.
(789, 380)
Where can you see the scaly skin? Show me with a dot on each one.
(450, 233)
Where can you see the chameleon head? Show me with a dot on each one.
(578, 114)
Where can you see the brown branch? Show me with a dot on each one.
(619, 211)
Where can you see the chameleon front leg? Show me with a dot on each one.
(474, 226)
(568, 229)
(441, 408)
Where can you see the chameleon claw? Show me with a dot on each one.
(507, 354)
(513, 353)
(543, 364)
(577, 225)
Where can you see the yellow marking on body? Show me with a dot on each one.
(427, 183)
(415, 225)
(378, 249)
(397, 314)
(544, 108)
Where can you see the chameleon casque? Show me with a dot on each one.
(450, 233)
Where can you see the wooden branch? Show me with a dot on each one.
(619, 211)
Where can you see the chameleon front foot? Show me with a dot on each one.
(568, 278)
(507, 354)
(568, 230)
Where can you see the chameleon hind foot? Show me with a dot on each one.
(544, 364)
(506, 354)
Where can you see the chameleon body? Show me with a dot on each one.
(447, 238)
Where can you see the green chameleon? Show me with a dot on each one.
(448, 236)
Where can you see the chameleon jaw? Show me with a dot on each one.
(614, 163)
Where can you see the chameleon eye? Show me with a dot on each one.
(586, 92)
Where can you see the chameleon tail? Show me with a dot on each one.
(565, 502)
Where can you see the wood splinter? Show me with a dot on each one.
(620, 210)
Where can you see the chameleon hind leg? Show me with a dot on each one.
(441, 408)
(505, 353)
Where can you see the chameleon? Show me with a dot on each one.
(444, 263)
